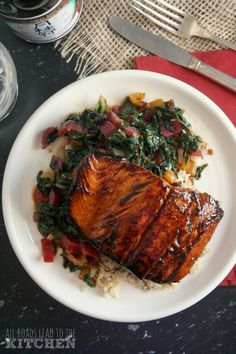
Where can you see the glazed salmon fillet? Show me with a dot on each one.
(192, 232)
(114, 202)
(139, 220)
(164, 231)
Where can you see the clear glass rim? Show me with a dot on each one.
(9, 78)
(10, 108)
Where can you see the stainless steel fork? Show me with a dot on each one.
(176, 21)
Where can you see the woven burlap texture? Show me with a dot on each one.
(95, 47)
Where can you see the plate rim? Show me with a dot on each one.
(133, 319)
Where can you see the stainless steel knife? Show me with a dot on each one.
(168, 50)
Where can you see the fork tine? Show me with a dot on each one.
(157, 14)
(171, 7)
(163, 10)
(154, 20)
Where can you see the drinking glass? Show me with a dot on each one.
(8, 83)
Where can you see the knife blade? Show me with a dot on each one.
(168, 50)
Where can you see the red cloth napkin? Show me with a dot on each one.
(224, 60)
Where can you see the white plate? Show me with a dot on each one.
(27, 158)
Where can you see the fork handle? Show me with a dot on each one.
(212, 73)
(220, 40)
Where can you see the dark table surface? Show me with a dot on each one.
(207, 327)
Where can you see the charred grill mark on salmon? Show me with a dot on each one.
(139, 220)
(205, 215)
(163, 231)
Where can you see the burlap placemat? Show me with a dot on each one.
(96, 48)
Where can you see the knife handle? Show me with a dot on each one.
(212, 73)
